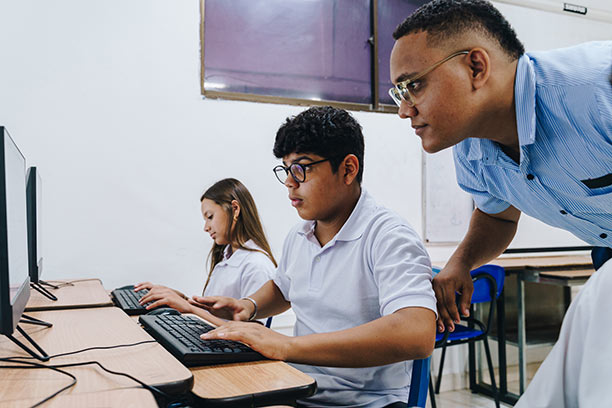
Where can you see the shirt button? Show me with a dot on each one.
(604, 236)
(563, 212)
(530, 177)
(317, 258)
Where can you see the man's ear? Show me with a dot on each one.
(479, 64)
(350, 166)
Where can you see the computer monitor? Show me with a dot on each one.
(14, 271)
(33, 199)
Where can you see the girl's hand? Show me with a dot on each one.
(265, 341)
(225, 307)
(143, 285)
(163, 296)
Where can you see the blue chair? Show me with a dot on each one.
(488, 285)
(269, 322)
(417, 397)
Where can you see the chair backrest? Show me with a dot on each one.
(269, 322)
(417, 397)
(489, 288)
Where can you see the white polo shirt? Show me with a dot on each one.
(240, 274)
(375, 265)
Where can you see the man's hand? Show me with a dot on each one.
(266, 342)
(225, 307)
(449, 281)
(163, 296)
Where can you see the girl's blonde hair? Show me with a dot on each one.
(248, 226)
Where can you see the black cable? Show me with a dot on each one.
(38, 365)
(56, 367)
(86, 349)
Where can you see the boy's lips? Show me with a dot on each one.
(295, 201)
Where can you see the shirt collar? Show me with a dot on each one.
(236, 258)
(354, 226)
(524, 99)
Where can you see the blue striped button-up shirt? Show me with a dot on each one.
(563, 104)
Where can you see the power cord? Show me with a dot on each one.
(57, 367)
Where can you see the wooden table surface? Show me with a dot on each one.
(82, 328)
(80, 294)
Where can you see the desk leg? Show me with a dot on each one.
(522, 337)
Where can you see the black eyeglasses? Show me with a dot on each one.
(297, 170)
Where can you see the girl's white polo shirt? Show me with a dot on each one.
(240, 274)
(374, 266)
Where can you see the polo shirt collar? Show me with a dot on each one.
(236, 258)
(354, 226)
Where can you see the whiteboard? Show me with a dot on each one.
(446, 208)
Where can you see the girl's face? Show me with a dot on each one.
(216, 221)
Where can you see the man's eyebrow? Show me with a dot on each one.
(298, 159)
(404, 77)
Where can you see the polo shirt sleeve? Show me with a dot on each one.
(280, 278)
(470, 182)
(257, 270)
(402, 270)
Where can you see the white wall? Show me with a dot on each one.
(104, 97)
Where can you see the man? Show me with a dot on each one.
(531, 133)
(356, 275)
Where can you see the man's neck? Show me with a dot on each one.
(326, 230)
(498, 120)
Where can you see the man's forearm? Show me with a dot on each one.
(487, 237)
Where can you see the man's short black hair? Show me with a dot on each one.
(442, 19)
(325, 131)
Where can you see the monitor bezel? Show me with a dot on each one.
(10, 313)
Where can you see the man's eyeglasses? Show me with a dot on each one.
(410, 89)
(297, 170)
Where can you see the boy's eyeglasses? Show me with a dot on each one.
(409, 90)
(297, 170)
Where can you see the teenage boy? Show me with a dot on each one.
(356, 275)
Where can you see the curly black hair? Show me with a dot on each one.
(326, 131)
(442, 19)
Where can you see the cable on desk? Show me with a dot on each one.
(69, 353)
(30, 364)
(56, 367)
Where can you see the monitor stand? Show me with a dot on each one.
(43, 356)
(39, 288)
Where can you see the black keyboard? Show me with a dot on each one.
(127, 299)
(180, 335)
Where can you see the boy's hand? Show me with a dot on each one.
(163, 296)
(225, 307)
(265, 341)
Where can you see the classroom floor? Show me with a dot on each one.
(465, 399)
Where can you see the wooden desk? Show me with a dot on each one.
(248, 384)
(80, 294)
(253, 383)
(127, 397)
(81, 328)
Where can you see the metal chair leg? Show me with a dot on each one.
(439, 378)
(432, 397)
(491, 372)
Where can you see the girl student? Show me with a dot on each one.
(240, 258)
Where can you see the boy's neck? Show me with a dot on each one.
(327, 229)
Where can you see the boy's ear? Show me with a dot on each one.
(351, 168)
(235, 209)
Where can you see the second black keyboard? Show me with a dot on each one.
(180, 335)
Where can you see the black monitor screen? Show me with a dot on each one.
(34, 194)
(14, 278)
